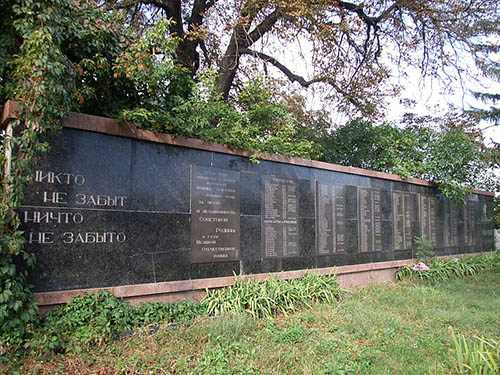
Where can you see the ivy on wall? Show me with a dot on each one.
(41, 76)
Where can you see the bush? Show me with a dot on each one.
(441, 269)
(424, 249)
(95, 317)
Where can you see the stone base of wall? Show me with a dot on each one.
(349, 277)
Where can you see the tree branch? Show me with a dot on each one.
(301, 80)
(173, 10)
(266, 25)
(240, 39)
(198, 12)
(358, 9)
(291, 76)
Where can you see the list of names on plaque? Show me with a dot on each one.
(401, 205)
(280, 224)
(215, 215)
(330, 219)
(469, 221)
(451, 223)
(428, 207)
(370, 220)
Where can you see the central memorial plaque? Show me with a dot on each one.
(330, 220)
(280, 225)
(215, 215)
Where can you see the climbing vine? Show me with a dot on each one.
(42, 75)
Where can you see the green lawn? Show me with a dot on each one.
(398, 328)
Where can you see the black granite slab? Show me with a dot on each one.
(171, 265)
(104, 210)
(159, 177)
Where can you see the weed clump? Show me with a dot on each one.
(95, 317)
(272, 296)
(441, 269)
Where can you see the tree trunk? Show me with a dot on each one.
(229, 65)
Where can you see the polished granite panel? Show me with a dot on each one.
(400, 186)
(307, 237)
(141, 269)
(351, 202)
(86, 268)
(351, 237)
(306, 198)
(378, 183)
(160, 178)
(105, 210)
(298, 263)
(250, 192)
(155, 232)
(386, 204)
(171, 265)
(336, 260)
(387, 236)
(75, 173)
(209, 270)
(234, 162)
(249, 267)
(271, 265)
(250, 238)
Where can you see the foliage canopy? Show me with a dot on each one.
(352, 45)
(454, 159)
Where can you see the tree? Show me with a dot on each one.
(353, 43)
(496, 213)
(452, 158)
(491, 115)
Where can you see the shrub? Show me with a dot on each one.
(95, 317)
(423, 249)
(441, 269)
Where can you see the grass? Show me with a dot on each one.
(401, 328)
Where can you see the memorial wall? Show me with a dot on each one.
(108, 210)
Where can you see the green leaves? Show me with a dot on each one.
(496, 212)
(442, 269)
(48, 39)
(476, 355)
(272, 296)
(456, 161)
(256, 120)
(96, 317)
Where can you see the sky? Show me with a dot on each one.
(430, 100)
